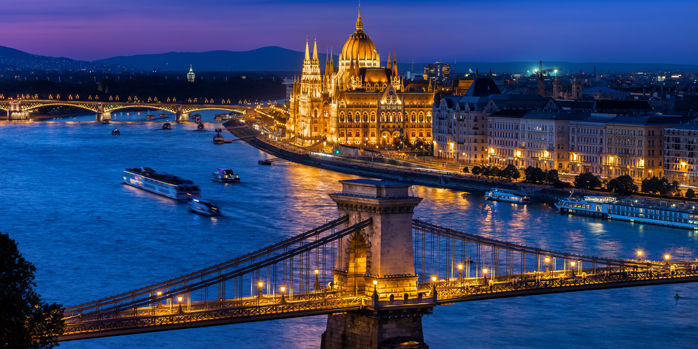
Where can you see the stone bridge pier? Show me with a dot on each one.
(377, 262)
(181, 116)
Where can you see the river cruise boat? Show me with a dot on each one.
(656, 212)
(150, 117)
(161, 183)
(506, 195)
(163, 116)
(223, 175)
(204, 207)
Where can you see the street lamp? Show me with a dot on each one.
(547, 260)
(573, 263)
(317, 281)
(260, 284)
(460, 272)
(180, 299)
(484, 275)
(666, 258)
(639, 255)
(375, 285)
(283, 294)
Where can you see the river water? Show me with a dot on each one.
(90, 236)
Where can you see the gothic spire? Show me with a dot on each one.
(315, 51)
(394, 62)
(327, 63)
(331, 60)
(359, 24)
(307, 51)
(388, 65)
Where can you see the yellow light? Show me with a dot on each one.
(433, 278)
(260, 284)
(639, 253)
(547, 259)
(375, 282)
(573, 263)
(667, 256)
(180, 299)
(283, 289)
(317, 271)
(460, 266)
(158, 293)
(484, 271)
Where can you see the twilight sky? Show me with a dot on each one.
(639, 31)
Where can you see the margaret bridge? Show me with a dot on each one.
(374, 270)
(20, 109)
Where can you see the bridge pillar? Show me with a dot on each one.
(382, 252)
(15, 112)
(180, 116)
(103, 116)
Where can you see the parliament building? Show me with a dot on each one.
(358, 101)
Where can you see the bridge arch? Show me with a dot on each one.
(115, 107)
(36, 105)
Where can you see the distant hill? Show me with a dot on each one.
(271, 58)
(20, 59)
(274, 58)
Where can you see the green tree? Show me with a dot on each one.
(651, 185)
(690, 194)
(486, 171)
(534, 175)
(466, 170)
(495, 171)
(477, 170)
(25, 320)
(622, 185)
(586, 181)
(552, 177)
(510, 172)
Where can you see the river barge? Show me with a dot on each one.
(161, 183)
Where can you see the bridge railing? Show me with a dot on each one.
(444, 253)
(275, 270)
(215, 270)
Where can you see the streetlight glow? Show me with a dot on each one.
(180, 299)
(573, 263)
(547, 259)
(667, 256)
(484, 271)
(460, 266)
(260, 284)
(433, 278)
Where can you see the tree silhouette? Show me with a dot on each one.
(25, 320)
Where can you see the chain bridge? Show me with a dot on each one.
(20, 109)
(375, 271)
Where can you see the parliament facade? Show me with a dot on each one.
(358, 101)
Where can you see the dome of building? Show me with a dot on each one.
(359, 47)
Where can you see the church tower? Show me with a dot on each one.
(191, 77)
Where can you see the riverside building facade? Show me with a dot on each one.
(358, 101)
(680, 153)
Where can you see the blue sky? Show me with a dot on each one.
(468, 30)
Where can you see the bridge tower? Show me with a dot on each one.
(382, 252)
(180, 116)
(15, 111)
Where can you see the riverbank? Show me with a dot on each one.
(390, 169)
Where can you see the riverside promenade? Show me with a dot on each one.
(387, 168)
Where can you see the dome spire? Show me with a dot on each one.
(359, 24)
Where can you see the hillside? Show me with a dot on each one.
(21, 59)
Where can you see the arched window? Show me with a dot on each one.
(421, 134)
(382, 117)
(421, 117)
(350, 119)
(373, 117)
(365, 117)
(358, 134)
(341, 134)
(349, 134)
(373, 134)
(412, 134)
(414, 117)
(341, 117)
(399, 117)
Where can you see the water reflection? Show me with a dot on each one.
(90, 237)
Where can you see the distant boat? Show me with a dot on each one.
(163, 116)
(225, 176)
(200, 127)
(161, 183)
(150, 117)
(264, 162)
(204, 207)
(115, 132)
(167, 126)
(106, 121)
(507, 196)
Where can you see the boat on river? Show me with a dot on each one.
(657, 212)
(507, 195)
(224, 175)
(150, 117)
(204, 207)
(115, 132)
(161, 183)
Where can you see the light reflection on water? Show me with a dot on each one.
(90, 237)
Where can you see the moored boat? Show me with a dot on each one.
(161, 183)
(656, 212)
(150, 117)
(507, 195)
(225, 176)
(163, 116)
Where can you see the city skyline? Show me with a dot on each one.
(620, 31)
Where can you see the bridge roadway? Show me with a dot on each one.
(19, 109)
(268, 307)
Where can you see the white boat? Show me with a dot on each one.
(204, 207)
(161, 183)
(507, 196)
(656, 212)
(225, 176)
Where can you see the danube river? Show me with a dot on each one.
(90, 236)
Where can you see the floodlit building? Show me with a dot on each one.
(680, 153)
(191, 77)
(358, 101)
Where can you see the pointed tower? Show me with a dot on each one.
(394, 63)
(388, 64)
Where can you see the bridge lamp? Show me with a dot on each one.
(547, 260)
(666, 257)
(573, 263)
(639, 256)
(433, 279)
(158, 293)
(180, 299)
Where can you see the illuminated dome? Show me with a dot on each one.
(360, 49)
